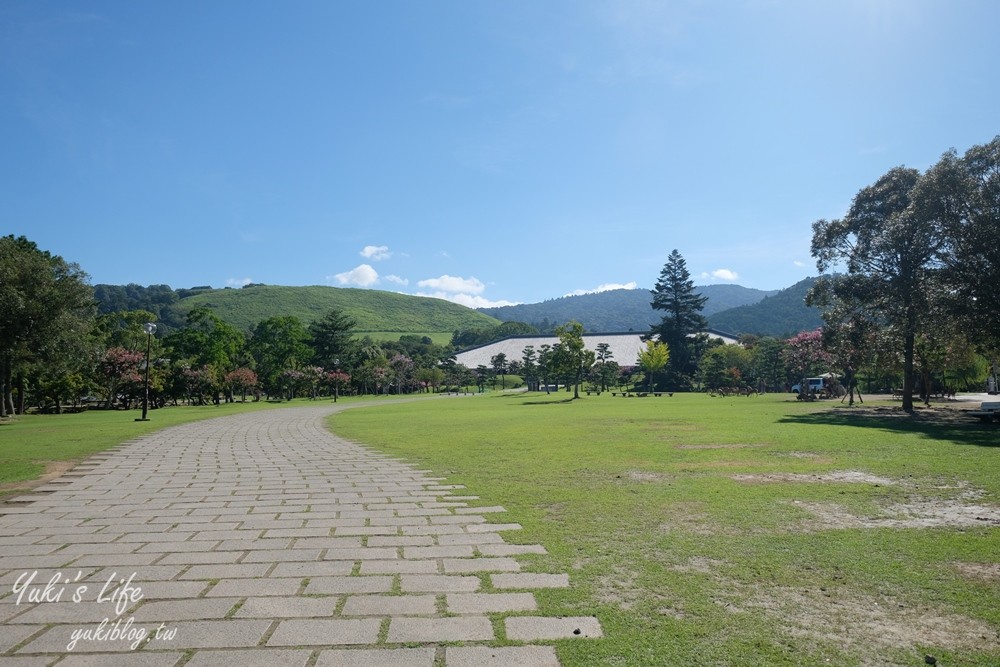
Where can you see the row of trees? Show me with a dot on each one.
(56, 350)
(920, 255)
(916, 290)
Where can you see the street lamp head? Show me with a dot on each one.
(149, 328)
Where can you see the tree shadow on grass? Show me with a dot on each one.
(559, 402)
(948, 425)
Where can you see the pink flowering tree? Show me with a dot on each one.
(402, 370)
(120, 368)
(337, 379)
(199, 383)
(805, 356)
(240, 381)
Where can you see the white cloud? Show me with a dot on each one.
(606, 287)
(392, 278)
(361, 276)
(376, 252)
(468, 300)
(238, 282)
(799, 264)
(454, 285)
(726, 275)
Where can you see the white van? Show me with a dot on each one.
(815, 385)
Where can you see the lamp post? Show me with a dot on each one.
(150, 329)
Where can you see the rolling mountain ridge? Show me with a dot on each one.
(730, 308)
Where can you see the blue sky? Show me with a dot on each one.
(483, 151)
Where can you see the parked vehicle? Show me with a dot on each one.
(815, 385)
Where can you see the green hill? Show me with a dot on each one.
(617, 310)
(376, 311)
(783, 314)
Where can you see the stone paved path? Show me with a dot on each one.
(263, 539)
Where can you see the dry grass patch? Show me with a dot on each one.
(874, 628)
(979, 571)
(837, 477)
(730, 446)
(916, 513)
(689, 516)
(645, 476)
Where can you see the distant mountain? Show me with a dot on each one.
(617, 310)
(375, 310)
(780, 315)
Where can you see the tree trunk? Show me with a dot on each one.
(908, 372)
(4, 385)
(20, 395)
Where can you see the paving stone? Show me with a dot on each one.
(313, 569)
(362, 553)
(474, 539)
(258, 657)
(399, 567)
(449, 629)
(130, 659)
(12, 635)
(116, 560)
(489, 603)
(286, 555)
(529, 580)
(533, 628)
(206, 558)
(400, 541)
(59, 639)
(287, 607)
(232, 633)
(510, 549)
(68, 611)
(333, 585)
(390, 605)
(300, 537)
(28, 661)
(501, 656)
(479, 510)
(169, 590)
(248, 587)
(448, 551)
(438, 583)
(175, 547)
(379, 657)
(492, 527)
(313, 632)
(329, 543)
(463, 565)
(184, 610)
(254, 543)
(227, 571)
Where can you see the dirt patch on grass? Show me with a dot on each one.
(731, 446)
(874, 627)
(53, 470)
(979, 571)
(644, 476)
(689, 517)
(839, 477)
(812, 457)
(915, 513)
(699, 565)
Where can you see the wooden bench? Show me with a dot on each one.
(988, 411)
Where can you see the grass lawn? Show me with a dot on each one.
(741, 531)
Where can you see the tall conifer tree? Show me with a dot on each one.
(682, 322)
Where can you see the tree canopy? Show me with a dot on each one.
(682, 321)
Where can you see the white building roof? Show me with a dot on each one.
(624, 347)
